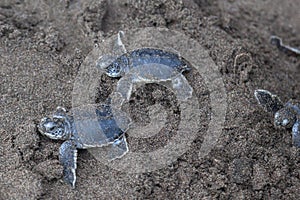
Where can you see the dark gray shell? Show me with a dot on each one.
(98, 125)
(146, 56)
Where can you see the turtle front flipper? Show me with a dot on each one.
(270, 102)
(296, 134)
(277, 41)
(68, 157)
(117, 49)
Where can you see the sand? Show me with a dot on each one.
(43, 46)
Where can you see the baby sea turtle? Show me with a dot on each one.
(285, 115)
(146, 56)
(146, 65)
(89, 127)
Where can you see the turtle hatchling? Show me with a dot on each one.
(88, 127)
(146, 65)
(285, 115)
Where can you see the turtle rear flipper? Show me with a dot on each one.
(296, 134)
(118, 149)
(270, 102)
(112, 151)
(68, 157)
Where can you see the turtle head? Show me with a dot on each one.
(54, 129)
(285, 118)
(117, 68)
(58, 127)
